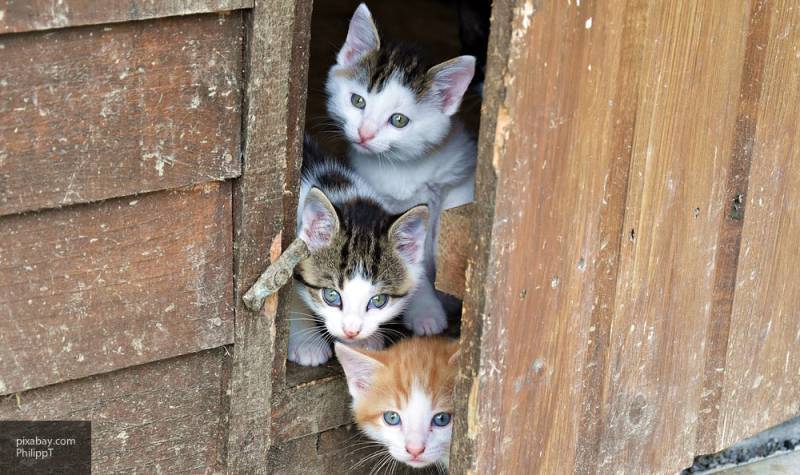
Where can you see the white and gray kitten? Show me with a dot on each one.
(397, 114)
(365, 262)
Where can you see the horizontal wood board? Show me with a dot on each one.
(30, 15)
(98, 112)
(163, 417)
(98, 287)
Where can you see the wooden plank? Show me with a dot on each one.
(548, 230)
(17, 16)
(340, 450)
(163, 417)
(762, 367)
(98, 112)
(277, 61)
(730, 233)
(103, 286)
(454, 247)
(675, 206)
(310, 408)
(591, 333)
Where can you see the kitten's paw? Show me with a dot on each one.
(310, 353)
(373, 342)
(429, 325)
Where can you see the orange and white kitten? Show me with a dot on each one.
(403, 396)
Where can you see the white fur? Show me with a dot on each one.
(307, 345)
(416, 429)
(429, 161)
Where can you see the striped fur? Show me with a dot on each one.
(359, 250)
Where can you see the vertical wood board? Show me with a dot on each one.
(762, 367)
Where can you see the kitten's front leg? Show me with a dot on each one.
(307, 346)
(424, 313)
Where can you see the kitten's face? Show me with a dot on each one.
(385, 100)
(364, 263)
(402, 397)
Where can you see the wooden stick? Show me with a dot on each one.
(276, 275)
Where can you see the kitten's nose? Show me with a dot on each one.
(415, 451)
(351, 333)
(365, 136)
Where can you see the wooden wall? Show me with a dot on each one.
(630, 298)
(120, 130)
(633, 298)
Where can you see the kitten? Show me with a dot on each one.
(402, 396)
(364, 266)
(397, 114)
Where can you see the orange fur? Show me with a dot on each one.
(425, 360)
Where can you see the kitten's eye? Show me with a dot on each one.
(398, 120)
(392, 418)
(378, 301)
(358, 101)
(441, 419)
(332, 297)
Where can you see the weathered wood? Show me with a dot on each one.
(163, 417)
(454, 248)
(334, 451)
(341, 450)
(676, 203)
(310, 408)
(276, 63)
(98, 112)
(762, 365)
(28, 15)
(98, 287)
(730, 231)
(596, 232)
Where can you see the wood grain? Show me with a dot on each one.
(675, 205)
(730, 232)
(98, 287)
(29, 15)
(276, 65)
(98, 112)
(453, 249)
(596, 234)
(310, 408)
(762, 367)
(162, 417)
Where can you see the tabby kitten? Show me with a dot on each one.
(397, 114)
(365, 262)
(402, 397)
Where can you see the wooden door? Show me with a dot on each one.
(633, 299)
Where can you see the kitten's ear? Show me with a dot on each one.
(358, 368)
(407, 234)
(449, 82)
(362, 38)
(319, 220)
(453, 360)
